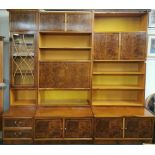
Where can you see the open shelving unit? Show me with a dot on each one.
(118, 77)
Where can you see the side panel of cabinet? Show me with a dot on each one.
(138, 127)
(52, 21)
(23, 20)
(78, 128)
(48, 128)
(108, 127)
(133, 45)
(64, 75)
(79, 22)
(106, 46)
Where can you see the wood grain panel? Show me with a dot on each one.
(48, 128)
(138, 127)
(18, 134)
(79, 22)
(18, 122)
(23, 20)
(78, 128)
(17, 142)
(52, 21)
(133, 46)
(106, 46)
(108, 127)
(64, 75)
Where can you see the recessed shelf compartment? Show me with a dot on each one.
(118, 97)
(63, 97)
(64, 40)
(119, 68)
(114, 81)
(120, 22)
(23, 96)
(64, 54)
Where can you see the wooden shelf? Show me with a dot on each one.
(118, 88)
(67, 48)
(117, 103)
(24, 102)
(64, 60)
(118, 73)
(64, 32)
(64, 103)
(118, 60)
(64, 88)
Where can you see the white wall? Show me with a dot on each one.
(150, 71)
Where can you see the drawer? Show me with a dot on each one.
(17, 134)
(17, 142)
(78, 128)
(17, 122)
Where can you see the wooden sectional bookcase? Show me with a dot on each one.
(77, 77)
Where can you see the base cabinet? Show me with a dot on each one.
(130, 130)
(63, 130)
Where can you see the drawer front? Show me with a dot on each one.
(17, 134)
(78, 128)
(18, 122)
(17, 142)
(138, 127)
(108, 127)
(48, 128)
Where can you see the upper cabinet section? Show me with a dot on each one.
(21, 20)
(79, 22)
(52, 21)
(66, 21)
(120, 22)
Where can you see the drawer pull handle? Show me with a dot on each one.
(65, 128)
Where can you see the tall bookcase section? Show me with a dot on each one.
(65, 45)
(23, 57)
(119, 59)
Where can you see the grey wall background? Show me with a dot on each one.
(4, 31)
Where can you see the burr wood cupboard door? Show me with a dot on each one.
(52, 21)
(48, 128)
(79, 22)
(133, 45)
(78, 128)
(106, 46)
(138, 127)
(23, 20)
(108, 127)
(64, 75)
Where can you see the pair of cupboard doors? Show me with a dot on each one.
(123, 46)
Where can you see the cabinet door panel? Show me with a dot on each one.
(48, 128)
(23, 20)
(79, 22)
(133, 45)
(64, 75)
(138, 127)
(78, 128)
(108, 127)
(106, 46)
(52, 21)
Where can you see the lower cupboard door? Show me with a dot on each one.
(78, 128)
(108, 127)
(138, 127)
(48, 128)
